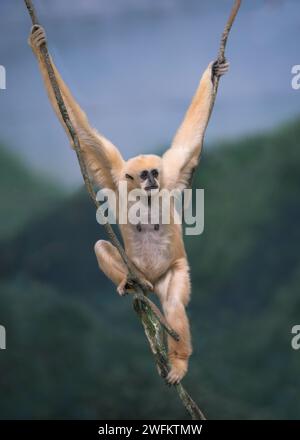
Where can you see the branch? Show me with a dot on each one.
(221, 54)
(220, 59)
(152, 320)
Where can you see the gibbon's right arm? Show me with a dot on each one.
(103, 160)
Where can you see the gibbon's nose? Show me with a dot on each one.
(151, 182)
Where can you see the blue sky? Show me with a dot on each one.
(134, 65)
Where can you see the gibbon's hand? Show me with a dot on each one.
(219, 69)
(37, 37)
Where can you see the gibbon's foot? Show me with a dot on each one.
(147, 284)
(179, 368)
(126, 286)
(219, 69)
(37, 36)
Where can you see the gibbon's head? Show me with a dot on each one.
(144, 172)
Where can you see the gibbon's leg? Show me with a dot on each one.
(111, 263)
(174, 293)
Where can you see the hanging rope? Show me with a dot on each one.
(152, 319)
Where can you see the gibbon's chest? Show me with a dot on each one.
(150, 248)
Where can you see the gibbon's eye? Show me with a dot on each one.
(144, 175)
(128, 176)
(154, 173)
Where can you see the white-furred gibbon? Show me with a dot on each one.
(157, 252)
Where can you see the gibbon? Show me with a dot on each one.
(157, 252)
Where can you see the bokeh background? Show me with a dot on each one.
(74, 348)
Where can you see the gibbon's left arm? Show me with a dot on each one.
(181, 159)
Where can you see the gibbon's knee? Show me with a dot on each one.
(107, 253)
(101, 245)
(109, 261)
(101, 249)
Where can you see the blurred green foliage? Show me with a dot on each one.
(23, 195)
(76, 350)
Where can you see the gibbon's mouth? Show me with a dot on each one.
(148, 188)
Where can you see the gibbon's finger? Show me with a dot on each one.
(36, 27)
(215, 69)
(37, 43)
(222, 71)
(40, 39)
(38, 33)
(225, 65)
(37, 36)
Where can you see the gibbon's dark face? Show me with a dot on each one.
(144, 172)
(149, 179)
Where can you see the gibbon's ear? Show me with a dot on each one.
(128, 176)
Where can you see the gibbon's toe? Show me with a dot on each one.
(178, 370)
(149, 285)
(124, 287)
(146, 284)
(121, 289)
